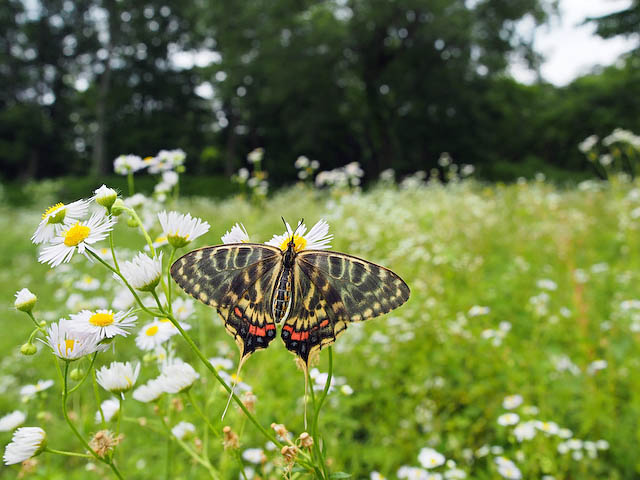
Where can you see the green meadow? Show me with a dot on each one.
(519, 342)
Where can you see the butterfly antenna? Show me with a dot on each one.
(233, 386)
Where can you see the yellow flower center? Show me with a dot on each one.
(69, 343)
(148, 159)
(52, 209)
(163, 320)
(55, 213)
(299, 243)
(236, 378)
(101, 319)
(151, 331)
(76, 234)
(160, 239)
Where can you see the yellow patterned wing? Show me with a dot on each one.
(332, 289)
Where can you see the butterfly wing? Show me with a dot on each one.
(237, 280)
(332, 289)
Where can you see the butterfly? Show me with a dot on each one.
(314, 293)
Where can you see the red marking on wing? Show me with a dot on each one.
(288, 328)
(269, 326)
(324, 323)
(299, 335)
(238, 312)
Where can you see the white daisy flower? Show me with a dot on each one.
(183, 308)
(413, 473)
(26, 442)
(160, 241)
(143, 272)
(508, 419)
(152, 335)
(318, 237)
(118, 377)
(183, 429)
(12, 421)
(103, 324)
(56, 217)
(177, 377)
(109, 408)
(430, 458)
(508, 469)
(512, 401)
(240, 386)
(149, 392)
(221, 363)
(87, 283)
(455, 474)
(29, 391)
(25, 300)
(550, 428)
(77, 237)
(126, 164)
(237, 234)
(254, 455)
(181, 229)
(105, 196)
(525, 431)
(255, 155)
(170, 178)
(69, 344)
(167, 325)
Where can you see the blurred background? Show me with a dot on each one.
(509, 86)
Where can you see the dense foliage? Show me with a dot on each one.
(386, 83)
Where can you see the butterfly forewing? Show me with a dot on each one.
(234, 278)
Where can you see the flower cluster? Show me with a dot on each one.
(254, 181)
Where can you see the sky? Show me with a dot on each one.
(572, 49)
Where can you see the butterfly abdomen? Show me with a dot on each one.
(281, 305)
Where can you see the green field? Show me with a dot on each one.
(525, 289)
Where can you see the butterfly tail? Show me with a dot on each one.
(234, 384)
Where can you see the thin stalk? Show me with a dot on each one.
(204, 462)
(215, 373)
(130, 183)
(35, 322)
(65, 393)
(201, 413)
(113, 251)
(173, 253)
(96, 394)
(93, 359)
(69, 454)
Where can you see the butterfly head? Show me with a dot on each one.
(293, 244)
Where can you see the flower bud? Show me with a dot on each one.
(28, 349)
(132, 222)
(118, 207)
(25, 300)
(76, 374)
(105, 196)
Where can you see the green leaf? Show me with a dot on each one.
(340, 475)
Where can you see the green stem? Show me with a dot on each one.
(215, 373)
(204, 462)
(113, 250)
(93, 359)
(146, 236)
(201, 413)
(70, 454)
(133, 292)
(35, 322)
(173, 253)
(130, 182)
(96, 394)
(65, 393)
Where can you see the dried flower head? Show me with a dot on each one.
(306, 440)
(249, 401)
(230, 439)
(104, 442)
(289, 453)
(280, 430)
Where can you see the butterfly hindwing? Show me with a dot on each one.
(234, 278)
(333, 289)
